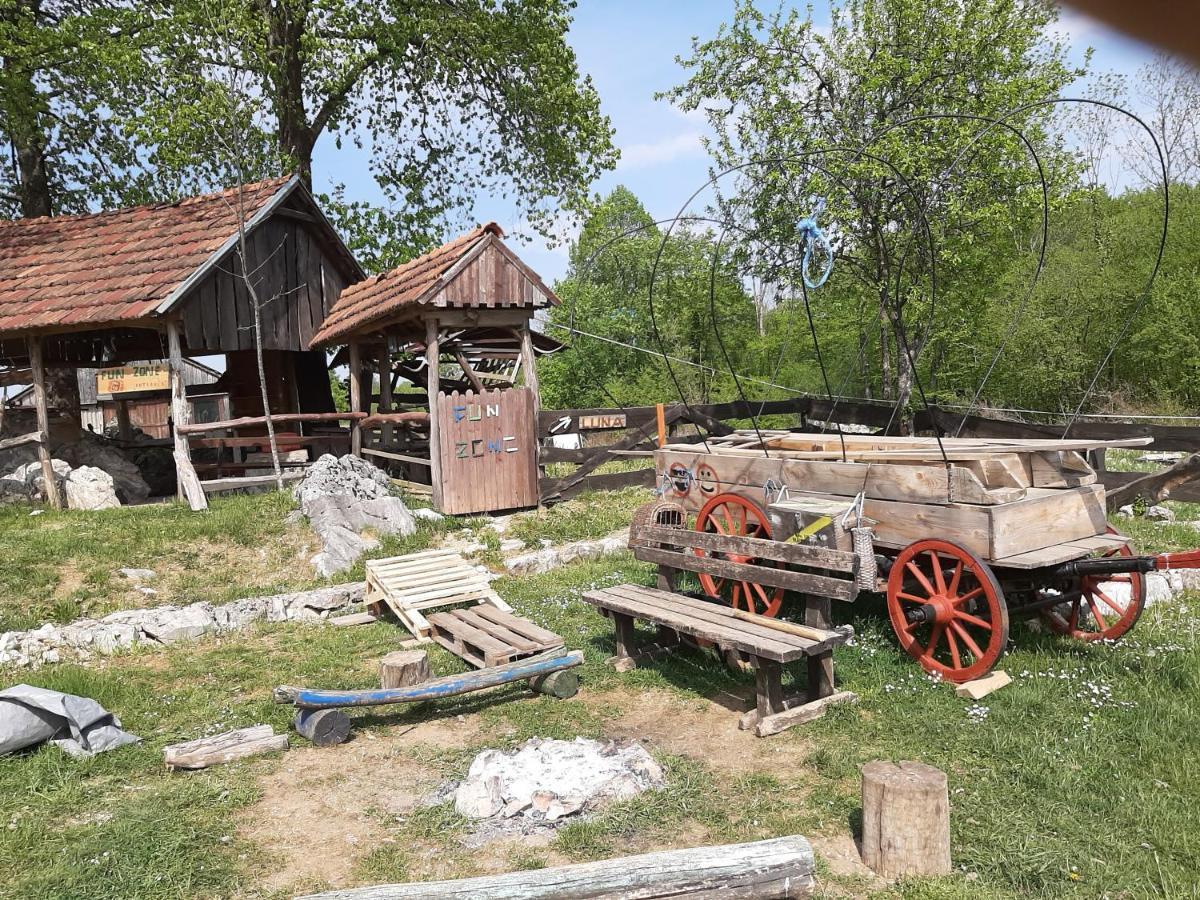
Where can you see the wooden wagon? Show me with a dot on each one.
(959, 536)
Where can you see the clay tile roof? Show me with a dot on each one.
(108, 267)
(417, 281)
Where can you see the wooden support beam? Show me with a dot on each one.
(432, 359)
(385, 392)
(186, 478)
(33, 437)
(124, 426)
(472, 377)
(775, 868)
(38, 370)
(356, 406)
(276, 419)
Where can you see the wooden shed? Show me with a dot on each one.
(455, 324)
(166, 282)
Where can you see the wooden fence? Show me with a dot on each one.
(633, 433)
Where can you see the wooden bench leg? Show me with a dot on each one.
(820, 675)
(623, 661)
(768, 687)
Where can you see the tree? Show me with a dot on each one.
(452, 100)
(606, 294)
(1168, 90)
(777, 87)
(65, 67)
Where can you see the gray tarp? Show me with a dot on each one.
(79, 725)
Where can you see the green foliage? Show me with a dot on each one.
(619, 255)
(803, 101)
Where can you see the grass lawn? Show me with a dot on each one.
(1081, 779)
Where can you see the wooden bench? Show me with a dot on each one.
(817, 575)
(767, 645)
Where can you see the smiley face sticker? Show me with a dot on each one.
(706, 479)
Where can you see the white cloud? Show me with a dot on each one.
(665, 150)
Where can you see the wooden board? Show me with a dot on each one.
(487, 451)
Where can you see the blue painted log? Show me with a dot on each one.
(451, 685)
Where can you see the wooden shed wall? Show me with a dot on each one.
(492, 279)
(297, 283)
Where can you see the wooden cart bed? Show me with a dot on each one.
(1015, 503)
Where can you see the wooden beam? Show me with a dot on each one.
(33, 437)
(276, 419)
(355, 353)
(385, 392)
(399, 457)
(186, 478)
(1156, 486)
(433, 389)
(469, 372)
(220, 485)
(779, 867)
(38, 370)
(124, 426)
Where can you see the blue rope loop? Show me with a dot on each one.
(812, 236)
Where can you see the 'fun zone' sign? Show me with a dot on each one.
(130, 379)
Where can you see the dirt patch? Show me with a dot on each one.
(705, 730)
(841, 854)
(323, 809)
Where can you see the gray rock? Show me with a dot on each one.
(90, 488)
(346, 475)
(427, 515)
(549, 558)
(184, 624)
(511, 545)
(342, 548)
(1160, 513)
(1126, 511)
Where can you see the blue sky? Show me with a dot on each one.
(629, 49)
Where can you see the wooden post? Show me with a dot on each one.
(187, 480)
(38, 370)
(433, 354)
(661, 417)
(529, 367)
(124, 426)
(529, 364)
(385, 393)
(818, 612)
(906, 819)
(402, 668)
(355, 396)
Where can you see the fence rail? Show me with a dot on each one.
(634, 431)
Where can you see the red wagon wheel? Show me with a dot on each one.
(1101, 611)
(947, 609)
(735, 515)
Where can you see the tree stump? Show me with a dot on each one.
(403, 668)
(906, 819)
(561, 684)
(324, 727)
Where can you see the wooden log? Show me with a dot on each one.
(355, 391)
(219, 485)
(776, 868)
(561, 684)
(38, 370)
(906, 819)
(436, 689)
(795, 711)
(402, 668)
(324, 727)
(415, 417)
(223, 748)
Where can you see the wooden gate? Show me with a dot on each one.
(488, 450)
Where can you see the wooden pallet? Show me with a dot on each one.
(415, 582)
(486, 636)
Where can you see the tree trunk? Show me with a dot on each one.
(285, 34)
(24, 129)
